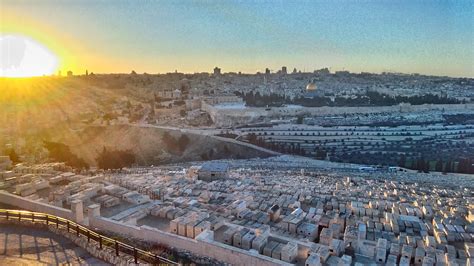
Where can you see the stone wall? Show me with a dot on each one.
(230, 117)
(31, 205)
(105, 254)
(203, 246)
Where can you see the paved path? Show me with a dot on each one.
(33, 246)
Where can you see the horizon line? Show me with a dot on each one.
(238, 73)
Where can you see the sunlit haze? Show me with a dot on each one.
(428, 37)
(24, 57)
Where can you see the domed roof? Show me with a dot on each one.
(311, 86)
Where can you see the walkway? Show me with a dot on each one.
(31, 246)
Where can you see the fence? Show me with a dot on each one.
(72, 227)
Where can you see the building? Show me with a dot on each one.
(217, 71)
(284, 70)
(312, 90)
(211, 171)
(169, 94)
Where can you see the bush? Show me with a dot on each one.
(174, 145)
(115, 159)
(61, 152)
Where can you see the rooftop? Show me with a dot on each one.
(215, 167)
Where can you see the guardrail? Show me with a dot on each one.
(70, 226)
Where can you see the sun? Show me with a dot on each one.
(21, 56)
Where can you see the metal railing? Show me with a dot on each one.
(79, 230)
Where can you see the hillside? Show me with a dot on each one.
(148, 146)
(30, 105)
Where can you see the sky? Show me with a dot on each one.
(428, 37)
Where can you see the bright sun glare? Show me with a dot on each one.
(21, 56)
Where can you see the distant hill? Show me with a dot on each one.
(30, 105)
(62, 110)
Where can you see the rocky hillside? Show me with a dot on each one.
(149, 146)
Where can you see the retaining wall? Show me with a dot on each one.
(31, 205)
(202, 247)
(247, 115)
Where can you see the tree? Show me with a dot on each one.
(14, 156)
(183, 142)
(426, 165)
(115, 159)
(420, 165)
(439, 166)
(449, 166)
(204, 156)
(320, 154)
(226, 149)
(299, 120)
(252, 138)
(169, 141)
(61, 152)
(175, 145)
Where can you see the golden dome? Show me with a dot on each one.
(311, 86)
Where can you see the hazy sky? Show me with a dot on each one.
(433, 37)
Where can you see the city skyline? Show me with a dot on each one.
(161, 37)
(238, 132)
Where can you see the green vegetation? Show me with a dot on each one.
(175, 145)
(13, 156)
(115, 159)
(371, 98)
(462, 165)
(62, 153)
